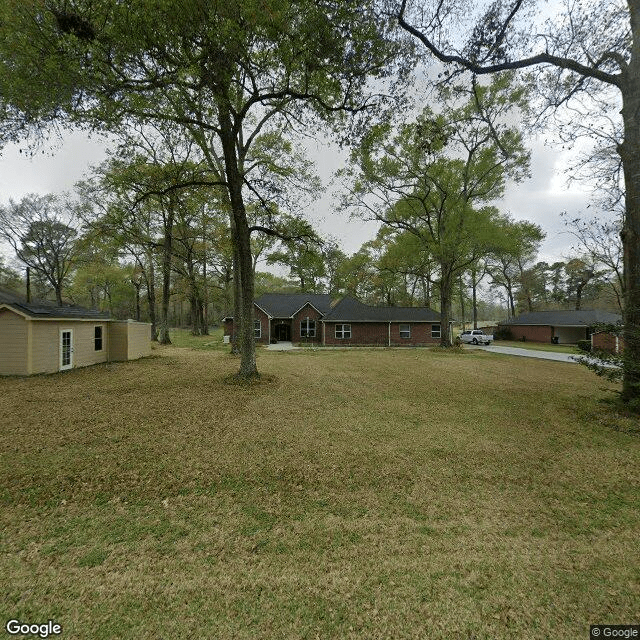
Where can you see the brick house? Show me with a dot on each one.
(607, 341)
(563, 327)
(317, 319)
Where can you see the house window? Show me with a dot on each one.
(97, 338)
(405, 330)
(343, 331)
(257, 329)
(435, 331)
(307, 328)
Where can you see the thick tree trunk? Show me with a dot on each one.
(474, 301)
(510, 300)
(136, 286)
(426, 293)
(630, 153)
(462, 305)
(195, 302)
(237, 295)
(151, 297)
(445, 305)
(205, 289)
(167, 249)
(242, 249)
(578, 297)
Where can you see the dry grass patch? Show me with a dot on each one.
(356, 494)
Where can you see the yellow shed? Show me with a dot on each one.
(39, 337)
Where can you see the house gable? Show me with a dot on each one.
(307, 320)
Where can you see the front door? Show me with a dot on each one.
(283, 332)
(66, 349)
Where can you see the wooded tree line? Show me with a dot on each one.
(109, 253)
(208, 99)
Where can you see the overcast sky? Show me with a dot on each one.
(540, 199)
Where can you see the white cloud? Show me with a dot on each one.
(540, 199)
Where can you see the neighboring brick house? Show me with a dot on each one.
(606, 341)
(316, 319)
(563, 327)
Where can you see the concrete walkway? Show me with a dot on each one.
(281, 346)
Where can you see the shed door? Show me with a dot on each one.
(66, 349)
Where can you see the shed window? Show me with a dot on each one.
(307, 328)
(405, 330)
(97, 338)
(435, 331)
(343, 331)
(257, 329)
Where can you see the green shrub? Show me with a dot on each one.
(584, 345)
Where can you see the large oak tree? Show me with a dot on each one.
(227, 71)
(438, 177)
(588, 54)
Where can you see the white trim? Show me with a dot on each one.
(342, 331)
(307, 320)
(64, 367)
(263, 311)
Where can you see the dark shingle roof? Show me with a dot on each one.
(284, 305)
(42, 309)
(350, 310)
(584, 317)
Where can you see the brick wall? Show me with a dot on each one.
(377, 334)
(306, 312)
(260, 315)
(532, 334)
(607, 342)
(229, 327)
(420, 333)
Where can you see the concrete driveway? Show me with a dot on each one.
(526, 353)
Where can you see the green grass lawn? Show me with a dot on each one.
(184, 338)
(353, 494)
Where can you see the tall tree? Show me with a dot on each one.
(587, 58)
(42, 232)
(436, 178)
(9, 277)
(601, 241)
(507, 262)
(230, 70)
